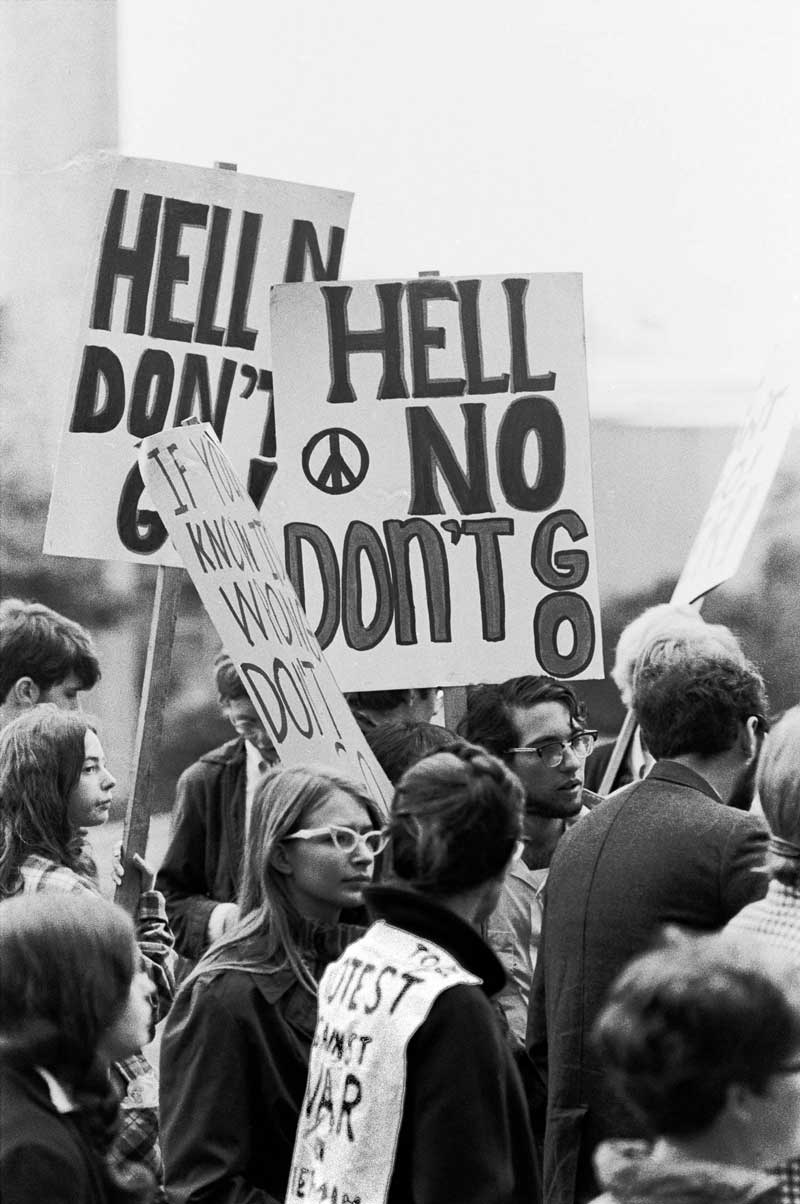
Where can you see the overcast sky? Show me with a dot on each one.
(653, 147)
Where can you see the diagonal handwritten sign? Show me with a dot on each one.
(239, 575)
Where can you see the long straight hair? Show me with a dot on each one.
(41, 758)
(282, 803)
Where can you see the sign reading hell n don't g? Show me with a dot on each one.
(176, 325)
(434, 490)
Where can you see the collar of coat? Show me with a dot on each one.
(434, 922)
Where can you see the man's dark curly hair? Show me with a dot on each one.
(487, 719)
(696, 706)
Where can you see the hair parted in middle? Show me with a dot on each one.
(284, 799)
(455, 820)
(41, 757)
(487, 719)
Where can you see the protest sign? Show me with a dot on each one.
(176, 324)
(741, 491)
(434, 496)
(239, 576)
(371, 1002)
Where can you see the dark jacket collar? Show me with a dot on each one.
(682, 775)
(432, 921)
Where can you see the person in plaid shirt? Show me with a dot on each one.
(774, 921)
(54, 784)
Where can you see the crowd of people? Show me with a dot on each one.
(514, 987)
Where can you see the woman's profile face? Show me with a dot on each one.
(90, 800)
(323, 878)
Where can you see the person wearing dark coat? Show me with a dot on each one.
(663, 850)
(413, 1096)
(200, 875)
(235, 1046)
(73, 999)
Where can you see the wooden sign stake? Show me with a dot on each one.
(148, 730)
(151, 718)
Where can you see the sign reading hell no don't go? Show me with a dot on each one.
(433, 496)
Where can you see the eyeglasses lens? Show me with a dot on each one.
(346, 840)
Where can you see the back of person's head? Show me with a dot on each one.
(685, 1022)
(674, 649)
(370, 707)
(400, 744)
(665, 618)
(455, 819)
(41, 758)
(488, 721)
(226, 677)
(778, 785)
(696, 704)
(39, 643)
(67, 965)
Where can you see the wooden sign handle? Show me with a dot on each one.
(148, 731)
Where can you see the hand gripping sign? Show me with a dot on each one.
(176, 324)
(239, 576)
(434, 493)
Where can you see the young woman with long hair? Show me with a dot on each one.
(413, 1096)
(54, 785)
(235, 1047)
(73, 999)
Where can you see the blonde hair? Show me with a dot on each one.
(281, 804)
(778, 785)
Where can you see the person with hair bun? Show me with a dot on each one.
(700, 1038)
(412, 1095)
(73, 999)
(774, 921)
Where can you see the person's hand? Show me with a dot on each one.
(148, 874)
(223, 917)
(117, 868)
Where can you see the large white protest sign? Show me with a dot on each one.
(176, 324)
(239, 576)
(434, 491)
(741, 491)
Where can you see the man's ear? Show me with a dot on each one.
(749, 737)
(281, 862)
(25, 692)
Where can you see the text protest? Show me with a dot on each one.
(371, 1002)
(240, 578)
(434, 493)
(176, 324)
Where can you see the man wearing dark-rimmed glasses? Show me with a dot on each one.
(538, 727)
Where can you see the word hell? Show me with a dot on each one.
(387, 340)
(136, 262)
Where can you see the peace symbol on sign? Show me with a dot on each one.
(343, 468)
